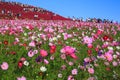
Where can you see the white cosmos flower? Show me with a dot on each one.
(33, 37)
(58, 36)
(50, 39)
(114, 56)
(110, 48)
(118, 47)
(26, 63)
(43, 68)
(25, 34)
(54, 38)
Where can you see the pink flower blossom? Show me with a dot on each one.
(99, 32)
(35, 51)
(70, 63)
(21, 78)
(69, 51)
(73, 56)
(32, 44)
(91, 70)
(87, 40)
(114, 63)
(74, 72)
(43, 53)
(70, 77)
(90, 46)
(4, 66)
(63, 56)
(108, 56)
(30, 53)
(46, 61)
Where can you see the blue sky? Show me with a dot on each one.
(104, 9)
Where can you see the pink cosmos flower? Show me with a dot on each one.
(70, 63)
(63, 56)
(91, 70)
(46, 61)
(99, 32)
(107, 63)
(73, 56)
(70, 77)
(35, 51)
(74, 72)
(69, 51)
(63, 67)
(65, 36)
(43, 53)
(87, 40)
(21, 78)
(4, 66)
(87, 59)
(108, 56)
(114, 63)
(30, 53)
(90, 46)
(32, 44)
(52, 57)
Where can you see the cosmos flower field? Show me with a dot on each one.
(59, 50)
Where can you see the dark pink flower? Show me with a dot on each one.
(43, 53)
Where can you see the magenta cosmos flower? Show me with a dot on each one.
(4, 66)
(43, 53)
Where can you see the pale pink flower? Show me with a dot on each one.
(52, 57)
(70, 63)
(114, 63)
(30, 53)
(63, 56)
(21, 78)
(46, 61)
(107, 63)
(63, 67)
(32, 44)
(35, 51)
(87, 59)
(43, 53)
(43, 36)
(91, 70)
(65, 36)
(87, 40)
(74, 72)
(4, 66)
(70, 77)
